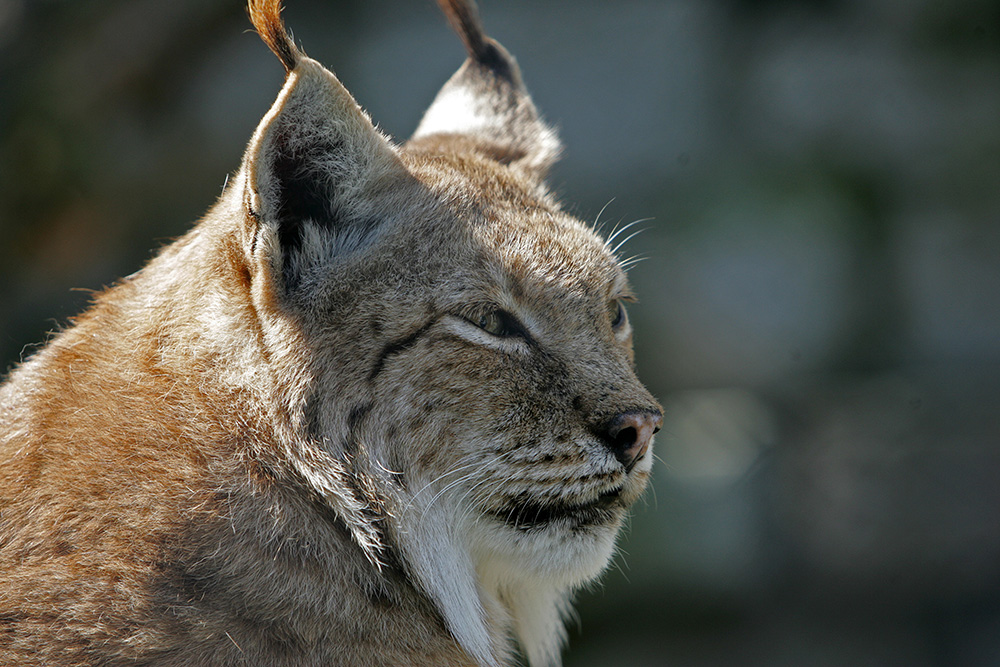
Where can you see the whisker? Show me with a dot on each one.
(618, 231)
(434, 481)
(627, 264)
(449, 487)
(384, 469)
(471, 475)
(475, 467)
(627, 239)
(614, 230)
(619, 559)
(469, 508)
(597, 221)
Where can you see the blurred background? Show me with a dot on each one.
(819, 304)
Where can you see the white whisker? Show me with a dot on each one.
(620, 230)
(597, 221)
(628, 238)
(434, 481)
(476, 467)
(627, 264)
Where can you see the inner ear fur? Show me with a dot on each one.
(315, 157)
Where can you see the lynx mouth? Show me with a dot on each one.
(531, 515)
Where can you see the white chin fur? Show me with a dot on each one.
(558, 554)
(535, 572)
(489, 579)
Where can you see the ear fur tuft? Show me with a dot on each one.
(266, 18)
(464, 19)
(485, 106)
(316, 160)
(463, 16)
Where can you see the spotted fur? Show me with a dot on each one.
(376, 408)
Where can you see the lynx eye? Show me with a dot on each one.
(498, 323)
(617, 313)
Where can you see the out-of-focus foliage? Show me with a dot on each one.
(820, 298)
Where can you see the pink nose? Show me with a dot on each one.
(630, 433)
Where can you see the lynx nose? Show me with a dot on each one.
(629, 435)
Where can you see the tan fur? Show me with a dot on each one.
(299, 436)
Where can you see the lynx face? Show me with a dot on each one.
(377, 408)
(506, 394)
(490, 399)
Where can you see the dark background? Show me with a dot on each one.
(820, 303)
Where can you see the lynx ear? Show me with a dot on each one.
(485, 101)
(315, 160)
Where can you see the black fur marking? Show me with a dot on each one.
(380, 597)
(354, 419)
(492, 57)
(526, 514)
(397, 347)
(484, 51)
(312, 414)
(302, 195)
(358, 412)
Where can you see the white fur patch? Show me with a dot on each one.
(456, 110)
(435, 548)
(469, 331)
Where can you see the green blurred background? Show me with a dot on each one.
(820, 303)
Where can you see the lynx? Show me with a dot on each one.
(377, 408)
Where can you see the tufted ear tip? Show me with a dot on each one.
(463, 16)
(266, 18)
(313, 166)
(485, 104)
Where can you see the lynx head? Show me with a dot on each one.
(453, 348)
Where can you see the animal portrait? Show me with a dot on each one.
(377, 407)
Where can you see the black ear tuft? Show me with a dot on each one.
(464, 19)
(495, 58)
(485, 104)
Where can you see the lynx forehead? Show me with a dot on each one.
(377, 408)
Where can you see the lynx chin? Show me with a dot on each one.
(377, 408)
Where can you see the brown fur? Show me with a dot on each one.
(266, 18)
(299, 436)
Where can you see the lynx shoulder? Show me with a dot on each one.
(377, 408)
